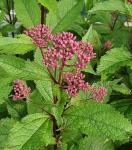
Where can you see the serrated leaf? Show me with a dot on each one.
(5, 126)
(20, 45)
(92, 37)
(113, 60)
(16, 110)
(129, 8)
(21, 69)
(89, 69)
(122, 88)
(45, 88)
(33, 132)
(37, 104)
(5, 89)
(97, 119)
(27, 12)
(122, 104)
(109, 5)
(68, 12)
(94, 143)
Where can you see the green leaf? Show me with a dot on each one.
(5, 89)
(113, 60)
(109, 5)
(89, 69)
(51, 5)
(129, 8)
(94, 143)
(16, 110)
(92, 37)
(27, 12)
(21, 69)
(37, 104)
(122, 104)
(5, 127)
(69, 11)
(20, 45)
(96, 119)
(122, 88)
(45, 87)
(32, 133)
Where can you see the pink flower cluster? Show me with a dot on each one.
(75, 83)
(85, 54)
(130, 1)
(108, 44)
(60, 51)
(41, 35)
(20, 90)
(66, 45)
(99, 93)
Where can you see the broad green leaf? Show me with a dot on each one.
(2, 14)
(37, 104)
(20, 45)
(122, 88)
(97, 119)
(5, 126)
(109, 5)
(21, 69)
(45, 87)
(69, 11)
(16, 110)
(128, 112)
(113, 60)
(51, 5)
(89, 69)
(32, 133)
(94, 143)
(122, 104)
(129, 8)
(5, 89)
(92, 37)
(27, 12)
(88, 4)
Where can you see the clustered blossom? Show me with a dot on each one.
(108, 44)
(99, 93)
(130, 1)
(51, 58)
(85, 54)
(66, 45)
(58, 50)
(41, 35)
(75, 83)
(20, 90)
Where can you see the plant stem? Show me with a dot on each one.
(113, 26)
(55, 127)
(42, 14)
(10, 20)
(60, 75)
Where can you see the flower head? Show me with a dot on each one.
(60, 51)
(130, 1)
(20, 90)
(99, 93)
(85, 54)
(40, 34)
(108, 44)
(75, 83)
(65, 43)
